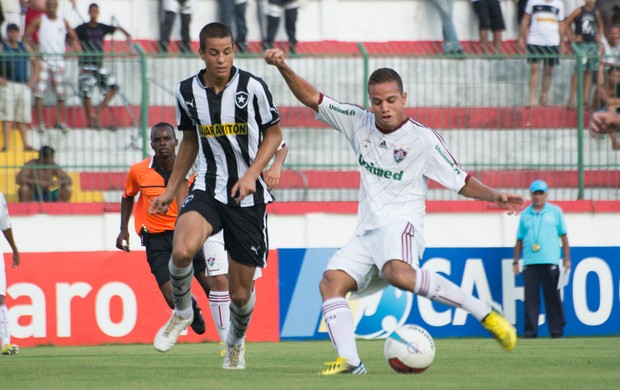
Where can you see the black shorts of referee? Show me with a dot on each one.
(158, 251)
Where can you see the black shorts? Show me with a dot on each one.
(158, 252)
(489, 15)
(245, 228)
(549, 54)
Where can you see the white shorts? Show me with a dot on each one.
(364, 257)
(55, 72)
(2, 277)
(217, 258)
(16, 103)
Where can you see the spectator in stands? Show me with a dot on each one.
(586, 41)
(42, 180)
(607, 98)
(16, 83)
(451, 44)
(236, 8)
(611, 47)
(92, 72)
(5, 335)
(490, 17)
(53, 31)
(11, 14)
(542, 28)
(274, 13)
(541, 228)
(34, 9)
(170, 8)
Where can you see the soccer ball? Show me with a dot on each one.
(409, 349)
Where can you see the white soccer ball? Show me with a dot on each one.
(410, 349)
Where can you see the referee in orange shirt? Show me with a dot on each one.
(149, 177)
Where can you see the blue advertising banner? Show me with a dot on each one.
(591, 298)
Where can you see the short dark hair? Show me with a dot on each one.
(12, 26)
(385, 75)
(164, 124)
(46, 152)
(93, 5)
(213, 30)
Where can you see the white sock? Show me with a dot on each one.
(219, 302)
(181, 283)
(5, 336)
(239, 321)
(437, 288)
(341, 328)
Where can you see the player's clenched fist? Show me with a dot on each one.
(274, 56)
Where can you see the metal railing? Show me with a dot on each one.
(478, 103)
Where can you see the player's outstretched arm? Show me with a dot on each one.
(505, 200)
(604, 122)
(305, 92)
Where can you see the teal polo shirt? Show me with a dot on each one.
(545, 229)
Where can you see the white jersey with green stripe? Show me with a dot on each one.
(395, 166)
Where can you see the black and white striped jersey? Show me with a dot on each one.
(230, 128)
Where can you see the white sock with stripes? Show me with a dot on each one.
(437, 288)
(339, 322)
(219, 302)
(5, 336)
(240, 320)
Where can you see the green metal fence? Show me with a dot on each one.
(479, 104)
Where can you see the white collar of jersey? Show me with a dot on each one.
(233, 74)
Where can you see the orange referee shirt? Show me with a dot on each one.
(143, 178)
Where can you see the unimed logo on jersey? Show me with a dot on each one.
(341, 111)
(223, 130)
(377, 171)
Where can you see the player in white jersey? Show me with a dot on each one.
(397, 157)
(5, 336)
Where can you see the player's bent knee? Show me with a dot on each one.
(335, 284)
(240, 297)
(182, 256)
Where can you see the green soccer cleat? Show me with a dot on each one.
(340, 366)
(501, 329)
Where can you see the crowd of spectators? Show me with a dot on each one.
(547, 29)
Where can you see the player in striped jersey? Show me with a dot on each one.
(230, 122)
(397, 157)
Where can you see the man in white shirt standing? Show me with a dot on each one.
(542, 28)
(5, 336)
(397, 157)
(53, 31)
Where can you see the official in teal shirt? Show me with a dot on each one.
(541, 229)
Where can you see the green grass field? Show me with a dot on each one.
(570, 363)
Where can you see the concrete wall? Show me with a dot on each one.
(69, 233)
